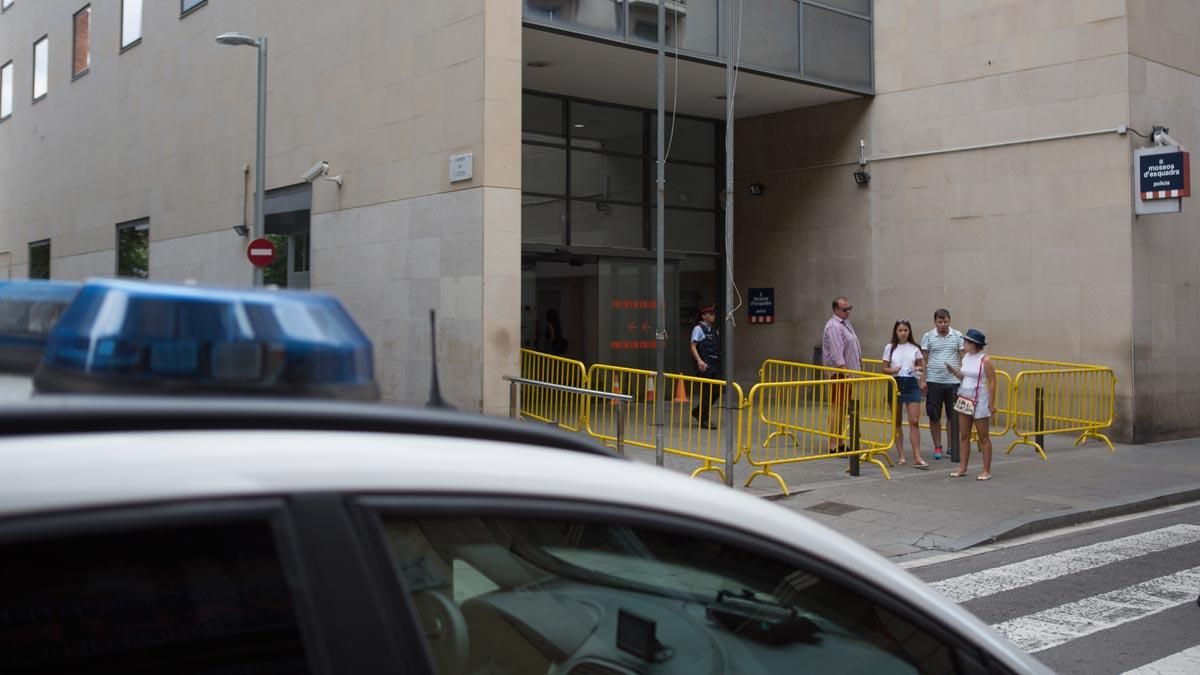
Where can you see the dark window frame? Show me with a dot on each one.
(12, 89)
(369, 512)
(6, 5)
(33, 82)
(75, 75)
(185, 11)
(139, 224)
(49, 258)
(121, 30)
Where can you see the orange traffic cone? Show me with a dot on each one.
(616, 389)
(680, 393)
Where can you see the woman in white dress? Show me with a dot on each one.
(976, 394)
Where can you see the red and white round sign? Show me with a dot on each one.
(261, 252)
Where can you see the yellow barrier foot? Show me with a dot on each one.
(775, 434)
(874, 459)
(709, 467)
(768, 472)
(1094, 434)
(1035, 446)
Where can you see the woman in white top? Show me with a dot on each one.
(978, 391)
(902, 359)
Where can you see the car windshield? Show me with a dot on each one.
(537, 595)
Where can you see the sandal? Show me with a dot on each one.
(921, 465)
(958, 474)
(900, 462)
(987, 477)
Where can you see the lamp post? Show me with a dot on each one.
(260, 140)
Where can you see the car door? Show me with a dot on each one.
(217, 586)
(510, 585)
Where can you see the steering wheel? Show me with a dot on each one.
(445, 630)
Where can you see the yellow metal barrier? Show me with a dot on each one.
(811, 419)
(1063, 400)
(774, 370)
(683, 434)
(1003, 419)
(565, 409)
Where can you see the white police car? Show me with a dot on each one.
(254, 535)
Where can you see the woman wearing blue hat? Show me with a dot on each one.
(976, 401)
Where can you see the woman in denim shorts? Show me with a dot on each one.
(902, 360)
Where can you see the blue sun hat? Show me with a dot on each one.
(976, 337)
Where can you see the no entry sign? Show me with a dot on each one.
(261, 252)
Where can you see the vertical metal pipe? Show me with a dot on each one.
(1039, 416)
(727, 343)
(512, 400)
(260, 152)
(620, 408)
(855, 440)
(660, 333)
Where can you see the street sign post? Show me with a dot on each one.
(261, 252)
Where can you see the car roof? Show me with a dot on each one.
(68, 454)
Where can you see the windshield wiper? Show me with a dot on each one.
(748, 616)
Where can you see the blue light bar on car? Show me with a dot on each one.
(140, 338)
(28, 310)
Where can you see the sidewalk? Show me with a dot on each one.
(924, 512)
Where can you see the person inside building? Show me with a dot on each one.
(706, 353)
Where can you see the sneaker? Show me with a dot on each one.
(937, 453)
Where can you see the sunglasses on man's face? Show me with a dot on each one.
(847, 308)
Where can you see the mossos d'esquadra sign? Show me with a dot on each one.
(1161, 179)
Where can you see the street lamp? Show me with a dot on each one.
(260, 144)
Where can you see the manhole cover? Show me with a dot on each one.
(832, 508)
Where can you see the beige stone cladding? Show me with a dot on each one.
(1028, 241)
(384, 90)
(1164, 86)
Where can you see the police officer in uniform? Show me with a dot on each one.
(706, 352)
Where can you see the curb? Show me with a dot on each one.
(1021, 527)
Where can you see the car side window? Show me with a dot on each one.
(539, 595)
(188, 599)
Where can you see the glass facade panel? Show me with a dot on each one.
(692, 25)
(689, 185)
(81, 56)
(39, 260)
(596, 16)
(605, 224)
(131, 22)
(133, 249)
(857, 6)
(543, 220)
(837, 47)
(691, 230)
(688, 139)
(607, 129)
(543, 169)
(771, 35)
(607, 177)
(542, 119)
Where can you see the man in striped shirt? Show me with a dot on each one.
(941, 347)
(839, 349)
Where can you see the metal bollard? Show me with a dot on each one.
(1039, 416)
(512, 400)
(855, 441)
(620, 428)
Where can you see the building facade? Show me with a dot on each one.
(999, 185)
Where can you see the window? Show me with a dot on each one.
(185, 599)
(5, 4)
(131, 23)
(133, 249)
(39, 259)
(81, 51)
(41, 68)
(187, 6)
(6, 91)
(539, 595)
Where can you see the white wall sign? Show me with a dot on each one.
(460, 167)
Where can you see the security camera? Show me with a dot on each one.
(319, 169)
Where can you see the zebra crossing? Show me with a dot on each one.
(1126, 604)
